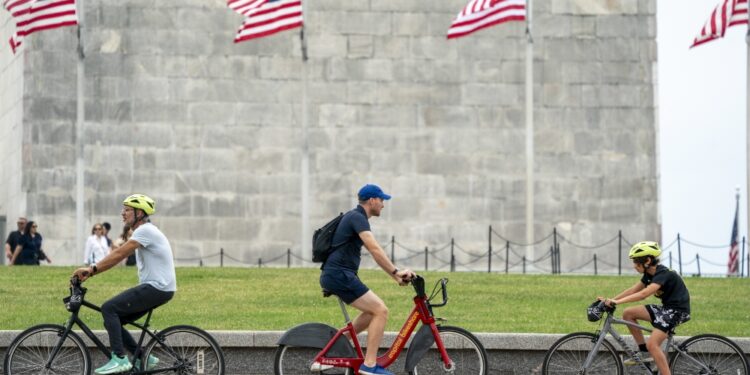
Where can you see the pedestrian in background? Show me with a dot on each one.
(107, 228)
(13, 238)
(124, 237)
(29, 249)
(96, 246)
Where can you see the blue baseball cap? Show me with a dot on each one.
(372, 191)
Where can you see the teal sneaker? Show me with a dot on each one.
(150, 364)
(115, 365)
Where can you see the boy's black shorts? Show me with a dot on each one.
(665, 319)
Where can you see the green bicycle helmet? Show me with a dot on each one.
(141, 202)
(644, 249)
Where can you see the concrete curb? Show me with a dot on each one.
(253, 352)
(268, 339)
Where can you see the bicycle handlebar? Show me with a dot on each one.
(418, 283)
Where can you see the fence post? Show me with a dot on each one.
(426, 254)
(670, 260)
(698, 260)
(552, 258)
(260, 262)
(200, 263)
(596, 270)
(489, 251)
(524, 264)
(742, 266)
(393, 249)
(557, 258)
(679, 253)
(507, 254)
(619, 252)
(221, 257)
(554, 244)
(288, 258)
(453, 257)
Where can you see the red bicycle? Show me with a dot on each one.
(320, 348)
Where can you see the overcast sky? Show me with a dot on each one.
(702, 112)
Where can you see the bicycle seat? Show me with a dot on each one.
(326, 293)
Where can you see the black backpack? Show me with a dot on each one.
(322, 241)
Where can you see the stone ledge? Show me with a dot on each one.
(268, 339)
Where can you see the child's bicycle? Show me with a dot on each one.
(435, 349)
(54, 349)
(589, 353)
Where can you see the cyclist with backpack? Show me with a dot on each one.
(339, 272)
(156, 287)
(665, 284)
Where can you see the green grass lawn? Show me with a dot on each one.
(276, 299)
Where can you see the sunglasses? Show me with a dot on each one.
(33, 226)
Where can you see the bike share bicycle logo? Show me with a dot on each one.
(402, 335)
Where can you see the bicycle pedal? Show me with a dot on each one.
(319, 367)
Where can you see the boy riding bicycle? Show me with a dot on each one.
(665, 284)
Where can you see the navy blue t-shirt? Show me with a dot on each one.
(30, 249)
(347, 245)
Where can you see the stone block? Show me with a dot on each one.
(615, 26)
(44, 108)
(337, 115)
(338, 5)
(492, 94)
(360, 46)
(447, 116)
(211, 113)
(560, 95)
(619, 50)
(443, 164)
(410, 24)
(417, 6)
(151, 111)
(270, 114)
(392, 47)
(594, 7)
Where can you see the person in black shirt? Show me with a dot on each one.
(339, 275)
(13, 239)
(666, 285)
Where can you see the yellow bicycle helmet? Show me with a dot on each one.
(141, 202)
(643, 249)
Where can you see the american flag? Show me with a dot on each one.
(728, 13)
(733, 267)
(266, 17)
(37, 15)
(478, 14)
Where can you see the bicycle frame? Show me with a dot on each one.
(608, 329)
(75, 320)
(421, 312)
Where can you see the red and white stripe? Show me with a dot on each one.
(478, 14)
(37, 15)
(733, 266)
(727, 14)
(263, 17)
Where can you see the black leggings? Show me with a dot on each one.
(128, 307)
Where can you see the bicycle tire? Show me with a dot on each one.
(465, 350)
(190, 349)
(720, 354)
(568, 354)
(295, 360)
(30, 350)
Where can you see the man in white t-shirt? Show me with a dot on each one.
(157, 281)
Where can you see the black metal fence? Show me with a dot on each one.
(505, 256)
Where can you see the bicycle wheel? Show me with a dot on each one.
(719, 354)
(186, 350)
(464, 349)
(30, 351)
(294, 360)
(567, 355)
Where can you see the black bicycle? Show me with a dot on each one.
(56, 349)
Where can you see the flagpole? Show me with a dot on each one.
(529, 133)
(305, 162)
(80, 118)
(747, 128)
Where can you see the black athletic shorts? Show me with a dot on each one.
(345, 284)
(665, 319)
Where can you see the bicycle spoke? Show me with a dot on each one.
(568, 355)
(709, 354)
(465, 351)
(30, 351)
(187, 350)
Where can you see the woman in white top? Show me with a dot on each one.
(96, 245)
